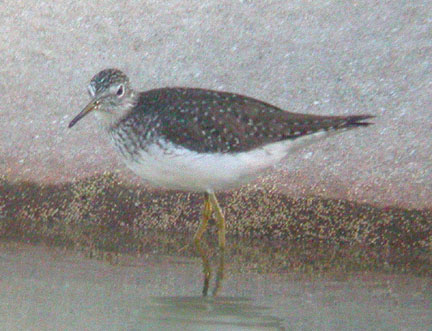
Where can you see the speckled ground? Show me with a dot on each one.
(268, 231)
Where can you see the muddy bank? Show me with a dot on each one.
(266, 229)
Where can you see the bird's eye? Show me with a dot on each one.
(120, 91)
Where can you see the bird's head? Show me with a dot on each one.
(112, 97)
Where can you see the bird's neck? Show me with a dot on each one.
(110, 117)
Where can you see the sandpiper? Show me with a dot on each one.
(201, 140)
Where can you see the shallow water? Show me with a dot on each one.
(45, 288)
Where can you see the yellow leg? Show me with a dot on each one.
(206, 215)
(220, 220)
(207, 212)
(221, 239)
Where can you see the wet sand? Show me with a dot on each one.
(267, 230)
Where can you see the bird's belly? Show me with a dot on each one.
(172, 167)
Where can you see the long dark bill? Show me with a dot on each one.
(94, 104)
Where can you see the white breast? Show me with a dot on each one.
(170, 166)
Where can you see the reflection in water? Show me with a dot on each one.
(216, 313)
(207, 270)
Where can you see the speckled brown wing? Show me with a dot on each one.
(212, 121)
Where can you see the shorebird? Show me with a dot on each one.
(200, 140)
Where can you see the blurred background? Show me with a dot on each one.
(320, 57)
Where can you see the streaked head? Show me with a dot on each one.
(111, 94)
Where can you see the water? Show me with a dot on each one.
(48, 289)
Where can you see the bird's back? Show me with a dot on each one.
(220, 122)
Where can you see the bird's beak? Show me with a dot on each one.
(93, 105)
